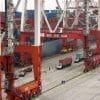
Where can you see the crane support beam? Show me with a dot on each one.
(9, 26)
(99, 15)
(86, 8)
(23, 15)
(37, 22)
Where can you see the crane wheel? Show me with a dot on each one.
(86, 70)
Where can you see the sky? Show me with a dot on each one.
(49, 4)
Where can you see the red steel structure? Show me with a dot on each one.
(35, 86)
(94, 61)
(29, 89)
(7, 60)
(72, 34)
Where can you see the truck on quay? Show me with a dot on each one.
(64, 63)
